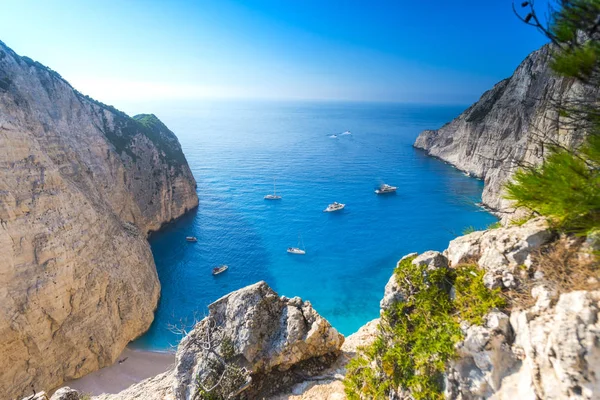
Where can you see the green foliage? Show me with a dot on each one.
(468, 229)
(124, 130)
(473, 300)
(227, 349)
(520, 221)
(565, 188)
(495, 225)
(577, 57)
(418, 335)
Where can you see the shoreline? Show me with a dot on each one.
(132, 366)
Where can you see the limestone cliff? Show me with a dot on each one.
(508, 126)
(253, 343)
(81, 185)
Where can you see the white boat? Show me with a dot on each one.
(219, 270)
(274, 195)
(346, 133)
(191, 239)
(385, 188)
(299, 249)
(335, 206)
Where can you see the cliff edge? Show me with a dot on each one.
(510, 125)
(81, 185)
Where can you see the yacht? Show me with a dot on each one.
(385, 188)
(274, 195)
(346, 133)
(191, 239)
(219, 270)
(299, 249)
(335, 206)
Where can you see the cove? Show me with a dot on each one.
(236, 150)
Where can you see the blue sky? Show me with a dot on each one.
(426, 51)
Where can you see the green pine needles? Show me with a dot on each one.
(566, 187)
(418, 335)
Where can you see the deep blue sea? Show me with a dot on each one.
(235, 151)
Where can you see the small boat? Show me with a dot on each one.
(346, 133)
(334, 136)
(335, 206)
(219, 270)
(274, 195)
(191, 239)
(385, 188)
(299, 249)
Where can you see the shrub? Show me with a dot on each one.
(418, 335)
(468, 229)
(495, 225)
(566, 188)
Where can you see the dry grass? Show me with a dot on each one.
(567, 264)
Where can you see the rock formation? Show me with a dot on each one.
(549, 350)
(251, 344)
(511, 124)
(81, 184)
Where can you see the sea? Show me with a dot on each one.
(238, 150)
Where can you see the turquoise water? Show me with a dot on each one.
(236, 150)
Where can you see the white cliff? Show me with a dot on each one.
(510, 125)
(81, 185)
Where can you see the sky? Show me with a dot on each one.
(128, 51)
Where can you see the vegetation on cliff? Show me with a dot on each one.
(418, 334)
(566, 187)
(125, 128)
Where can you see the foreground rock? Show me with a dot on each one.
(328, 385)
(501, 252)
(544, 353)
(252, 344)
(81, 184)
(509, 125)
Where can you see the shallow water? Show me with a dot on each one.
(236, 150)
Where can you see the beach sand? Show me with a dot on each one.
(138, 365)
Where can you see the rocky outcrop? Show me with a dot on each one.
(253, 343)
(509, 126)
(548, 350)
(500, 252)
(81, 184)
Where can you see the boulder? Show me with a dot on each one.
(65, 393)
(258, 333)
(500, 251)
(433, 260)
(485, 357)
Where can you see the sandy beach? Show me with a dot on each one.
(137, 366)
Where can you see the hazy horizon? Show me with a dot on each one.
(132, 53)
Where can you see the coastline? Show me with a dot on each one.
(137, 366)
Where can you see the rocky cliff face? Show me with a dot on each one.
(509, 125)
(253, 343)
(81, 184)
